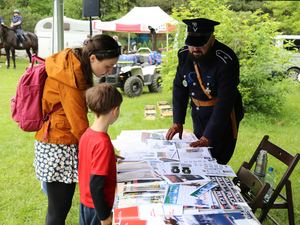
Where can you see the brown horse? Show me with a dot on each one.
(1, 46)
(10, 43)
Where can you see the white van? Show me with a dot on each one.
(293, 70)
(75, 32)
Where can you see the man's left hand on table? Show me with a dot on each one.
(202, 142)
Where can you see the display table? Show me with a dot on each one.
(168, 182)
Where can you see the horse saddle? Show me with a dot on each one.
(24, 36)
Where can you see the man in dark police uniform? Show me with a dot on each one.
(208, 73)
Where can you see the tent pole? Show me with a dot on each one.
(167, 41)
(128, 42)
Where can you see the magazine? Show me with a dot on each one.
(144, 174)
(125, 167)
(151, 135)
(144, 185)
(184, 178)
(179, 194)
(202, 166)
(203, 189)
(189, 153)
(150, 212)
(161, 145)
(138, 198)
(238, 218)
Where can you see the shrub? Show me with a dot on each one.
(250, 36)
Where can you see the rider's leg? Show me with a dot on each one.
(20, 38)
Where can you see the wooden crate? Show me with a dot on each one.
(150, 112)
(164, 109)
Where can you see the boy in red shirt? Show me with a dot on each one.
(97, 159)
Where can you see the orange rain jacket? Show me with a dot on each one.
(66, 84)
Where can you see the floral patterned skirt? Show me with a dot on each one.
(56, 163)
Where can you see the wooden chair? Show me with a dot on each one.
(252, 189)
(255, 198)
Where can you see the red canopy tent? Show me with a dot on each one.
(139, 20)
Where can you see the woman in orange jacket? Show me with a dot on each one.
(70, 74)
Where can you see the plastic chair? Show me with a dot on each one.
(256, 201)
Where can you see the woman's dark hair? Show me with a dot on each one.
(102, 46)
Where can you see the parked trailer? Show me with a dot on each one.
(75, 31)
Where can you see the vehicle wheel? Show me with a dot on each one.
(155, 86)
(294, 73)
(133, 87)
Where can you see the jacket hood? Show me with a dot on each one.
(66, 68)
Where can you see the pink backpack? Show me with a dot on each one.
(26, 105)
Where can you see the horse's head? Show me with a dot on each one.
(3, 30)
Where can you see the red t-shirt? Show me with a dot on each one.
(96, 156)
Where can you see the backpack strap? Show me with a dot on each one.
(47, 117)
(34, 58)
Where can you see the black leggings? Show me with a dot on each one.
(59, 202)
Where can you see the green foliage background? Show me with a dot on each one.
(250, 36)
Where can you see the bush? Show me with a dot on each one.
(250, 36)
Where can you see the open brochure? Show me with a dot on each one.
(152, 213)
(143, 174)
(184, 178)
(228, 218)
(126, 167)
(196, 166)
(180, 195)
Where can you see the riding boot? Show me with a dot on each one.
(20, 41)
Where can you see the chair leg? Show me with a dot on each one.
(290, 206)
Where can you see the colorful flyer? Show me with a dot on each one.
(203, 189)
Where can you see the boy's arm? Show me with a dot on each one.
(97, 192)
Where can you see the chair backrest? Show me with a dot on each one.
(274, 150)
(279, 153)
(258, 190)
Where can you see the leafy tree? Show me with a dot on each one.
(287, 13)
(111, 10)
(29, 18)
(244, 5)
(250, 36)
(73, 9)
(166, 6)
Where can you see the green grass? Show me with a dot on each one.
(22, 200)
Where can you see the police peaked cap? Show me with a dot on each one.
(199, 31)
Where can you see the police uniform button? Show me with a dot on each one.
(197, 108)
(194, 83)
(193, 93)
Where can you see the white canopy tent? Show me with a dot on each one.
(139, 20)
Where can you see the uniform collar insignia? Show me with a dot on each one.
(194, 24)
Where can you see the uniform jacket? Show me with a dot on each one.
(66, 84)
(220, 74)
(17, 19)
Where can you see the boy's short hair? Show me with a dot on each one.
(102, 98)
